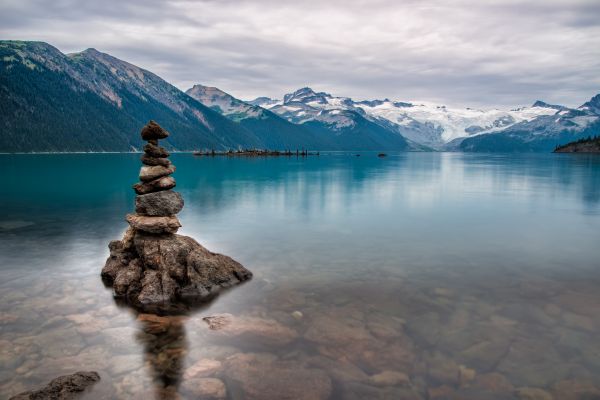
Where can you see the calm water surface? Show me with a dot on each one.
(416, 276)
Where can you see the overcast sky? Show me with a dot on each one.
(501, 53)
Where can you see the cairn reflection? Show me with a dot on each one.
(165, 348)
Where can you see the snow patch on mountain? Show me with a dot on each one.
(426, 123)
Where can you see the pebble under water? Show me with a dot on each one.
(416, 276)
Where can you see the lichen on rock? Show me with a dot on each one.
(152, 268)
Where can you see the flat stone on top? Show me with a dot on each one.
(153, 131)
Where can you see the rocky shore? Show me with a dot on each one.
(153, 268)
(62, 388)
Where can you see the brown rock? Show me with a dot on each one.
(360, 391)
(164, 183)
(153, 131)
(339, 370)
(130, 273)
(155, 151)
(493, 382)
(263, 377)
(331, 330)
(532, 363)
(154, 324)
(205, 388)
(440, 392)
(156, 225)
(442, 369)
(203, 368)
(390, 378)
(62, 388)
(149, 160)
(527, 393)
(575, 390)
(176, 271)
(150, 173)
(163, 203)
(465, 375)
(251, 330)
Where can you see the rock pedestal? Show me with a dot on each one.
(152, 268)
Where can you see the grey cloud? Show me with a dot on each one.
(485, 54)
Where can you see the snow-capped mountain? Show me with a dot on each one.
(305, 105)
(302, 124)
(224, 103)
(543, 133)
(425, 123)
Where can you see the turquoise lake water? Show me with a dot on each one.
(414, 276)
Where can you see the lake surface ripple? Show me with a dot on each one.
(415, 276)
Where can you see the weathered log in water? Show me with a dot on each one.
(257, 153)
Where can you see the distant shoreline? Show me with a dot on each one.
(590, 145)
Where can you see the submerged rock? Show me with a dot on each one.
(264, 377)
(152, 268)
(62, 388)
(251, 330)
(205, 388)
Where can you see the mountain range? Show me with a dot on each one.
(91, 101)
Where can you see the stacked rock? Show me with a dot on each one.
(153, 268)
(156, 204)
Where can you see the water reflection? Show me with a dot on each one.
(165, 348)
(419, 276)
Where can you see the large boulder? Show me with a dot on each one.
(161, 203)
(152, 268)
(62, 388)
(175, 272)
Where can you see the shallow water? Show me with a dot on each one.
(415, 276)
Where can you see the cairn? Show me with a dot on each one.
(153, 268)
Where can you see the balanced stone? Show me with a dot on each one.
(149, 160)
(156, 151)
(153, 131)
(152, 268)
(150, 173)
(162, 203)
(156, 225)
(164, 273)
(164, 183)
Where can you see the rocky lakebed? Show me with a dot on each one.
(363, 287)
(419, 342)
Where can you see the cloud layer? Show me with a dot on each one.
(487, 54)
